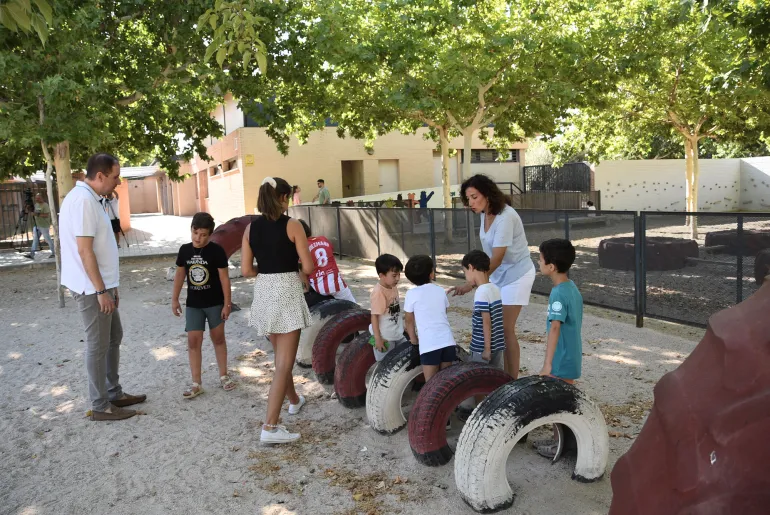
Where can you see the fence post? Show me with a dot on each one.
(739, 285)
(566, 225)
(431, 220)
(377, 217)
(638, 270)
(643, 259)
(339, 232)
(309, 219)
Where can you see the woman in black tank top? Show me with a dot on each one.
(279, 311)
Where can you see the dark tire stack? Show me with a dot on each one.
(661, 253)
(751, 243)
(229, 235)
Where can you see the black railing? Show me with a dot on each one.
(570, 177)
(670, 276)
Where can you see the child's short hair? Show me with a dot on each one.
(478, 259)
(418, 269)
(590, 203)
(203, 220)
(306, 227)
(558, 252)
(387, 263)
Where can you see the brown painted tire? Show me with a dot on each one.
(229, 235)
(334, 332)
(350, 373)
(438, 399)
(762, 266)
(661, 253)
(752, 243)
(703, 448)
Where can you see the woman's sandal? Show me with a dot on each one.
(227, 383)
(193, 391)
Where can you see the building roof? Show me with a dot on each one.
(138, 172)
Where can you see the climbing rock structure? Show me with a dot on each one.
(704, 448)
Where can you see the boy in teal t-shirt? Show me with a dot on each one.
(564, 350)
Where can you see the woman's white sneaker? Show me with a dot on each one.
(294, 408)
(279, 435)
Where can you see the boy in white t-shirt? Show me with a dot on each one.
(425, 307)
(488, 334)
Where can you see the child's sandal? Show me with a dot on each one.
(193, 391)
(227, 383)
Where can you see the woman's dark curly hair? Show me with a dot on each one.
(488, 189)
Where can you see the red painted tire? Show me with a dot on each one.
(229, 235)
(438, 399)
(350, 374)
(329, 338)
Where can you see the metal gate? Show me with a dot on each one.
(15, 225)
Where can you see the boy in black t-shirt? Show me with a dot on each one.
(204, 264)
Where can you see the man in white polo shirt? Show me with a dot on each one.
(89, 259)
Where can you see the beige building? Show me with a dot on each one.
(227, 186)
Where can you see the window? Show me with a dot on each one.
(490, 156)
(215, 170)
(230, 164)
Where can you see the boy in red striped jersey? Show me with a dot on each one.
(326, 279)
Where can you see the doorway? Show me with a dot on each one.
(389, 175)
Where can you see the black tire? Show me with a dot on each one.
(509, 413)
(338, 329)
(350, 374)
(438, 399)
(320, 314)
(751, 243)
(661, 253)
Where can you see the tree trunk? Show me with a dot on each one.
(688, 179)
(695, 182)
(467, 150)
(444, 144)
(54, 222)
(63, 170)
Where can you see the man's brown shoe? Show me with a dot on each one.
(113, 413)
(128, 400)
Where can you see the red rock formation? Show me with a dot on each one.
(704, 448)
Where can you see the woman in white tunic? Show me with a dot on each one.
(511, 268)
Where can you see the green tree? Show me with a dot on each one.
(676, 77)
(125, 77)
(18, 15)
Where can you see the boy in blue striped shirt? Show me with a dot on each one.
(488, 337)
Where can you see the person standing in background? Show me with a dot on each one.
(41, 227)
(295, 197)
(323, 196)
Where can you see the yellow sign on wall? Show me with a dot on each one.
(248, 159)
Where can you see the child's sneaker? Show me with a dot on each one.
(279, 435)
(294, 408)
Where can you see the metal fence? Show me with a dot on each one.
(671, 276)
(570, 177)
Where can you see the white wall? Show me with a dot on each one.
(755, 184)
(233, 115)
(659, 185)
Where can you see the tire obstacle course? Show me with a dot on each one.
(510, 411)
(751, 242)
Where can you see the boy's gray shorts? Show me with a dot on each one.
(195, 318)
(497, 361)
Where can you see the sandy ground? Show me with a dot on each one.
(203, 456)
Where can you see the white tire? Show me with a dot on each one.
(387, 385)
(320, 314)
(508, 414)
